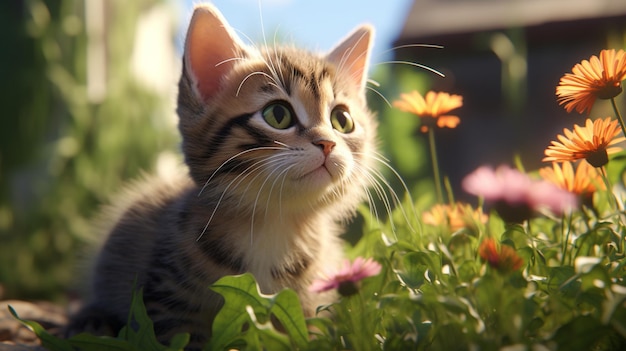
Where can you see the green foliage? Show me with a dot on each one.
(138, 334)
(63, 151)
(246, 317)
(433, 295)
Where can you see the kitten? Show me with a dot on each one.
(280, 148)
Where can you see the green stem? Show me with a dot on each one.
(607, 184)
(448, 186)
(619, 115)
(618, 208)
(566, 241)
(586, 218)
(622, 239)
(433, 158)
(359, 335)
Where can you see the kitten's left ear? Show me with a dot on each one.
(353, 53)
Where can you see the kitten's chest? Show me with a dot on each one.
(278, 253)
(281, 249)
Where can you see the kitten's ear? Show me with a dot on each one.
(211, 47)
(353, 53)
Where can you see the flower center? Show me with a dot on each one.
(597, 158)
(513, 213)
(428, 123)
(608, 90)
(347, 288)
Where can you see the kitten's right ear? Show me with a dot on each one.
(211, 49)
(353, 54)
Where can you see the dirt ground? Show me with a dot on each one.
(16, 337)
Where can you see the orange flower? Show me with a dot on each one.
(597, 78)
(456, 216)
(590, 142)
(435, 105)
(504, 260)
(585, 181)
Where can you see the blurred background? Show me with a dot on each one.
(88, 91)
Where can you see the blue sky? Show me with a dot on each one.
(313, 24)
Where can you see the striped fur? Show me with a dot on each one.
(256, 199)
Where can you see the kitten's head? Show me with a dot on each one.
(275, 126)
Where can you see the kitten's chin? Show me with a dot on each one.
(317, 179)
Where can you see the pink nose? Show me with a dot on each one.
(326, 146)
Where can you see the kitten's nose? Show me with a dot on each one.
(326, 146)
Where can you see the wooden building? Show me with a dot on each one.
(506, 58)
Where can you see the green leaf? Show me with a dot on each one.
(582, 333)
(516, 235)
(320, 325)
(91, 342)
(412, 275)
(596, 277)
(241, 291)
(143, 337)
(273, 340)
(82, 341)
(432, 259)
(449, 337)
(564, 279)
(415, 266)
(467, 270)
(48, 340)
(179, 341)
(287, 309)
(263, 336)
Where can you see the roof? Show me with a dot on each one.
(433, 18)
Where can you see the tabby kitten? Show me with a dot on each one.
(279, 145)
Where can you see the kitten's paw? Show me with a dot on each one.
(93, 320)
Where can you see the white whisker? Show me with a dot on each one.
(373, 82)
(379, 190)
(281, 144)
(279, 76)
(269, 195)
(379, 94)
(381, 157)
(419, 65)
(430, 46)
(382, 160)
(348, 53)
(267, 59)
(232, 158)
(263, 163)
(237, 180)
(222, 195)
(282, 174)
(273, 81)
(372, 205)
(243, 35)
(229, 60)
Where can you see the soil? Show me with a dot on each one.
(14, 336)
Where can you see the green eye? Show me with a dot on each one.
(278, 115)
(341, 120)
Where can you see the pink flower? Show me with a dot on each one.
(347, 278)
(516, 197)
